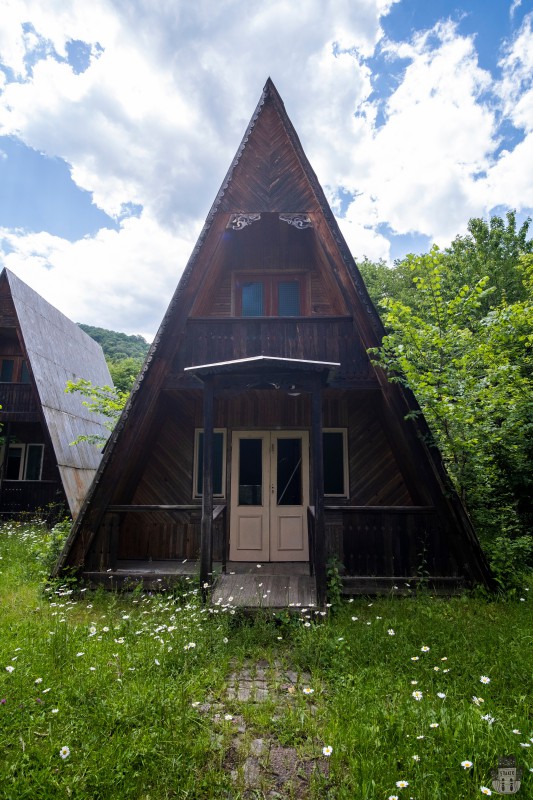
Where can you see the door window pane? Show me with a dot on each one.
(250, 472)
(6, 371)
(218, 464)
(333, 444)
(34, 462)
(289, 299)
(252, 300)
(289, 472)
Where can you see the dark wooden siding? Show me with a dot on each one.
(375, 477)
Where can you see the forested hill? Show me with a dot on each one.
(117, 346)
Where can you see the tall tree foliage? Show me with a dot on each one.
(460, 334)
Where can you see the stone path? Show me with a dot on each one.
(259, 764)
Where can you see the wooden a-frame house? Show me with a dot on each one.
(259, 432)
(40, 350)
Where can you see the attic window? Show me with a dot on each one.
(269, 295)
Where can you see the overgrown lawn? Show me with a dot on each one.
(109, 696)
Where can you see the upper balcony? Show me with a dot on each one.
(332, 339)
(19, 402)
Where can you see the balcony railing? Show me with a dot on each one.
(18, 398)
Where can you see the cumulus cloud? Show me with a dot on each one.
(157, 113)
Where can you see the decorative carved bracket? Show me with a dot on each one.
(239, 221)
(300, 221)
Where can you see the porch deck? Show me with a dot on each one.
(273, 585)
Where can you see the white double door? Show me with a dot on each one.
(269, 496)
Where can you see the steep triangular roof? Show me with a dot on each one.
(57, 350)
(270, 173)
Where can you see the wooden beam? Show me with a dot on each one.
(317, 451)
(206, 540)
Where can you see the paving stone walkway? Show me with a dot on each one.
(260, 765)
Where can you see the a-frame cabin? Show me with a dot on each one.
(259, 432)
(40, 350)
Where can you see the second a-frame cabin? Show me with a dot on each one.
(40, 350)
(259, 433)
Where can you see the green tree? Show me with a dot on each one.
(124, 372)
(471, 373)
(103, 400)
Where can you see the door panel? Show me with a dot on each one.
(269, 496)
(250, 477)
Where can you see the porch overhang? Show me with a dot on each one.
(265, 372)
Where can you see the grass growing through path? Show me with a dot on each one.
(106, 696)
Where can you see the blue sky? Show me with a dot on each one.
(119, 120)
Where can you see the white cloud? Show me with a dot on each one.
(122, 280)
(158, 114)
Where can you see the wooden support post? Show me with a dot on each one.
(317, 451)
(206, 541)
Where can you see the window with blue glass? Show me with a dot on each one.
(270, 296)
(252, 299)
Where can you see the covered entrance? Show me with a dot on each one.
(269, 496)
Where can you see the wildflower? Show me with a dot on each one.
(38, 680)
(307, 690)
(525, 744)
(466, 764)
(228, 717)
(484, 790)
(488, 718)
(416, 758)
(45, 691)
(9, 668)
(421, 737)
(354, 619)
(484, 679)
(424, 649)
(413, 683)
(441, 695)
(414, 658)
(64, 752)
(79, 654)
(225, 640)
(393, 797)
(477, 700)
(515, 730)
(444, 658)
(328, 750)
(417, 695)
(195, 703)
(390, 632)
(402, 784)
(157, 662)
(55, 710)
(436, 669)
(105, 629)
(3, 701)
(307, 624)
(434, 725)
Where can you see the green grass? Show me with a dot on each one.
(112, 678)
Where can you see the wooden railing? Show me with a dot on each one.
(388, 540)
(18, 398)
(23, 496)
(314, 338)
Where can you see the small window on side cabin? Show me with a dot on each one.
(24, 373)
(336, 483)
(34, 462)
(24, 462)
(219, 463)
(6, 370)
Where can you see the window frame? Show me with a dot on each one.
(196, 462)
(345, 462)
(270, 282)
(23, 467)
